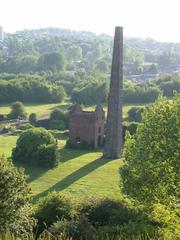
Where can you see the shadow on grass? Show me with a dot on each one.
(31, 171)
(34, 172)
(73, 177)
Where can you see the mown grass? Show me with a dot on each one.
(42, 110)
(80, 172)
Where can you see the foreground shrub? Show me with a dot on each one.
(106, 211)
(76, 229)
(28, 144)
(15, 210)
(52, 208)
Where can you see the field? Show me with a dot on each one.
(80, 173)
(43, 110)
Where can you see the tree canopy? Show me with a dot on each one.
(151, 171)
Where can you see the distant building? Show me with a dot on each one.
(86, 128)
(1, 34)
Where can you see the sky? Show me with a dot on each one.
(157, 19)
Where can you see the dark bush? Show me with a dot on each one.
(28, 143)
(57, 124)
(52, 208)
(134, 114)
(106, 211)
(58, 119)
(76, 229)
(47, 155)
(130, 127)
(33, 118)
(17, 111)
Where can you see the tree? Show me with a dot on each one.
(51, 62)
(58, 119)
(33, 118)
(28, 147)
(15, 210)
(17, 110)
(151, 171)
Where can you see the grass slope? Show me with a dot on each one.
(80, 173)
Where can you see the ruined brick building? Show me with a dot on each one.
(86, 127)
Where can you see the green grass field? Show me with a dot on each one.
(42, 110)
(79, 172)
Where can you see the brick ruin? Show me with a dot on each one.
(86, 128)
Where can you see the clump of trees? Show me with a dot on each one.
(17, 110)
(151, 171)
(15, 209)
(36, 146)
(33, 91)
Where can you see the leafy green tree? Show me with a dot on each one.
(17, 110)
(28, 145)
(58, 119)
(47, 155)
(151, 171)
(33, 118)
(52, 62)
(15, 209)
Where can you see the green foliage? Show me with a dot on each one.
(58, 119)
(141, 94)
(169, 86)
(57, 124)
(32, 118)
(52, 208)
(151, 170)
(51, 62)
(79, 228)
(25, 126)
(17, 110)
(33, 90)
(101, 212)
(131, 127)
(90, 93)
(15, 210)
(28, 144)
(47, 155)
(135, 114)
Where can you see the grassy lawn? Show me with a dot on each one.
(42, 110)
(6, 145)
(80, 173)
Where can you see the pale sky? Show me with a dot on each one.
(158, 19)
